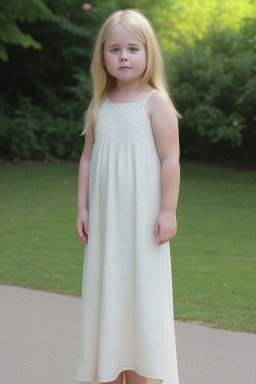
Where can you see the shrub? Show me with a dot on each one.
(34, 133)
(215, 93)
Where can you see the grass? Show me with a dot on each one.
(213, 254)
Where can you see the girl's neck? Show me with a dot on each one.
(129, 90)
(129, 96)
(123, 88)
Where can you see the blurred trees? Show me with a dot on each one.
(208, 47)
(188, 21)
(13, 12)
(215, 83)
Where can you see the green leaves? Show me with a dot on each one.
(188, 21)
(71, 27)
(209, 51)
(215, 93)
(34, 133)
(16, 11)
(24, 10)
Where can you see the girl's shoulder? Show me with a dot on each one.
(157, 95)
(156, 101)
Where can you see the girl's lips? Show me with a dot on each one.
(124, 68)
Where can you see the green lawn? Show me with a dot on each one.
(213, 253)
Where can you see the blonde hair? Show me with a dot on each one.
(137, 23)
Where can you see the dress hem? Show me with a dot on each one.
(163, 381)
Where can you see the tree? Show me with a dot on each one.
(187, 21)
(13, 12)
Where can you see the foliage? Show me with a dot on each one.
(181, 22)
(51, 88)
(35, 133)
(14, 12)
(215, 86)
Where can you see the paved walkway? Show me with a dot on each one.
(39, 335)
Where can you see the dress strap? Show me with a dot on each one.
(148, 96)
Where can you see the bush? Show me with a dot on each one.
(34, 133)
(215, 93)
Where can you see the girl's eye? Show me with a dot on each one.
(133, 49)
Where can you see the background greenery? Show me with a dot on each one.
(45, 87)
(209, 50)
(213, 254)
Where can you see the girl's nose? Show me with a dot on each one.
(123, 56)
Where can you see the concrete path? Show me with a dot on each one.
(39, 336)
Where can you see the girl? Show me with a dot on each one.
(128, 187)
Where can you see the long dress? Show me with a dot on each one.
(127, 302)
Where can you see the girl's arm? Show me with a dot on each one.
(82, 224)
(166, 133)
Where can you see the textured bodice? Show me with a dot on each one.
(124, 122)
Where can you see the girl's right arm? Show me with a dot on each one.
(82, 223)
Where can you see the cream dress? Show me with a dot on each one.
(127, 305)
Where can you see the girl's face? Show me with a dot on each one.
(124, 56)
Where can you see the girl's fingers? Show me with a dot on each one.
(163, 238)
(84, 238)
(160, 238)
(81, 233)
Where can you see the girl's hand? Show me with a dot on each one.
(82, 225)
(165, 227)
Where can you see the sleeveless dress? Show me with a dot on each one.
(127, 304)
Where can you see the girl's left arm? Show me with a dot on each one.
(166, 133)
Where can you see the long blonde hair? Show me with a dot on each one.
(103, 82)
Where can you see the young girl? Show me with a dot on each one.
(128, 186)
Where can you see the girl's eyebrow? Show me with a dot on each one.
(114, 44)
